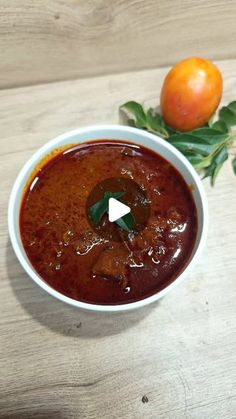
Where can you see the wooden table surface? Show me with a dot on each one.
(174, 359)
(51, 40)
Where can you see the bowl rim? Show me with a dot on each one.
(53, 144)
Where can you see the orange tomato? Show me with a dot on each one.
(191, 93)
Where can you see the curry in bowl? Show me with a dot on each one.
(106, 263)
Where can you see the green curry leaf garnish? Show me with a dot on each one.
(127, 222)
(100, 208)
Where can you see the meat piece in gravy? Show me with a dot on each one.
(112, 263)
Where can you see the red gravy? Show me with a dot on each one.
(72, 258)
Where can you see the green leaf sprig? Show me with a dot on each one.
(206, 148)
(97, 211)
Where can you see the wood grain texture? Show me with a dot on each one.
(57, 362)
(43, 41)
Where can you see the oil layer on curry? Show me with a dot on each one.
(83, 263)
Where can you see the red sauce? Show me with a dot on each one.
(74, 259)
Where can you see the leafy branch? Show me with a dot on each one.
(206, 148)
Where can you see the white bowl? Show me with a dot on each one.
(116, 132)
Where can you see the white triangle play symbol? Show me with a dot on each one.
(116, 210)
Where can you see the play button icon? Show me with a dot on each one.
(117, 210)
(125, 197)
